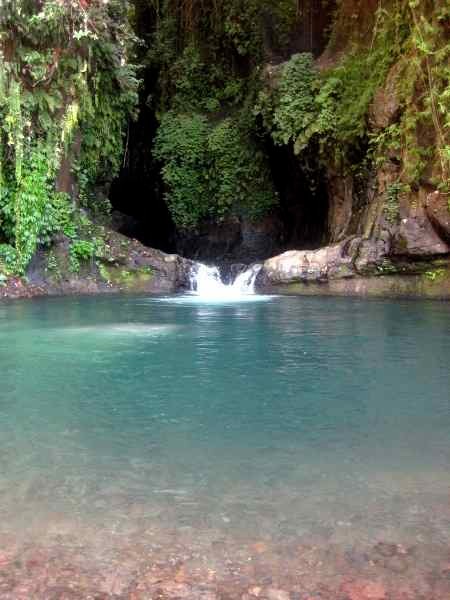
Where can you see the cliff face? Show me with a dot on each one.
(389, 211)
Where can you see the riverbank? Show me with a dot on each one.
(433, 284)
(118, 264)
(357, 267)
(353, 267)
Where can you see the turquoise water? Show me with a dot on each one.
(277, 420)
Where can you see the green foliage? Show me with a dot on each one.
(30, 199)
(330, 108)
(425, 93)
(211, 172)
(329, 111)
(391, 201)
(420, 137)
(435, 275)
(31, 210)
(207, 52)
(8, 259)
(80, 251)
(66, 90)
(180, 146)
(298, 109)
(203, 86)
(239, 174)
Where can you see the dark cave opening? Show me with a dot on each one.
(139, 209)
(299, 221)
(303, 199)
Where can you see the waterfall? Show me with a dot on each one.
(206, 283)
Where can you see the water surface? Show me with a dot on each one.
(215, 429)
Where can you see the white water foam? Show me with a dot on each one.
(118, 329)
(206, 285)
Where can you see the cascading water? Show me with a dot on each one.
(206, 283)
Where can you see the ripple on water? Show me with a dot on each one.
(118, 329)
(230, 298)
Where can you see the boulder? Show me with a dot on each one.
(310, 265)
(437, 207)
(354, 256)
(416, 236)
(233, 240)
(370, 253)
(120, 264)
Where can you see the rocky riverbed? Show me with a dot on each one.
(146, 568)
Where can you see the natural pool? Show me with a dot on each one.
(174, 448)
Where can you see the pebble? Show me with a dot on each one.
(365, 590)
(255, 591)
(275, 594)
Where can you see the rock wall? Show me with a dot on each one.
(383, 237)
(123, 265)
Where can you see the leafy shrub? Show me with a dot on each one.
(328, 108)
(291, 110)
(80, 251)
(8, 258)
(211, 171)
(66, 82)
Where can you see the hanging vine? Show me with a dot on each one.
(64, 70)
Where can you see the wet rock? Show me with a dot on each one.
(259, 547)
(438, 210)
(344, 260)
(417, 237)
(7, 584)
(176, 590)
(370, 253)
(5, 559)
(385, 106)
(340, 191)
(276, 594)
(385, 549)
(233, 240)
(397, 564)
(445, 570)
(122, 264)
(309, 265)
